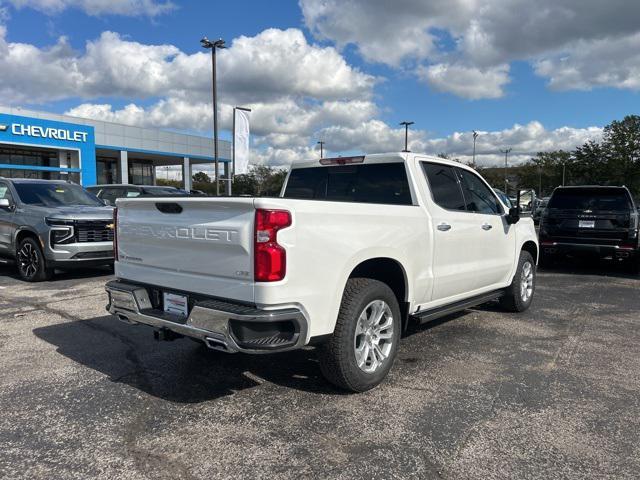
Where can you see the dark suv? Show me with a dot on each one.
(110, 193)
(601, 221)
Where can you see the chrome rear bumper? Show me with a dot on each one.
(222, 326)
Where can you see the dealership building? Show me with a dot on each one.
(89, 152)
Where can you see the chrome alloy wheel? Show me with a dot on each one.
(373, 338)
(28, 260)
(526, 282)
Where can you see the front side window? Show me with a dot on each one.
(5, 193)
(444, 185)
(55, 195)
(478, 197)
(381, 183)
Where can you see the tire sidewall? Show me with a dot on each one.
(375, 291)
(524, 258)
(40, 273)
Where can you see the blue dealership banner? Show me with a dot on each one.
(37, 132)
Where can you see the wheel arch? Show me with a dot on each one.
(390, 272)
(531, 247)
(23, 233)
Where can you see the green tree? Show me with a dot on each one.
(621, 148)
(201, 177)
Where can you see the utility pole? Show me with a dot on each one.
(321, 143)
(539, 181)
(406, 135)
(564, 168)
(206, 43)
(475, 135)
(506, 156)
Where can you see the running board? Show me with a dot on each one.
(432, 314)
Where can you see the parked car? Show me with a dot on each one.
(46, 224)
(354, 249)
(540, 206)
(503, 196)
(599, 221)
(110, 193)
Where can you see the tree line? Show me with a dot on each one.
(615, 160)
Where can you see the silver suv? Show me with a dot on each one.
(48, 224)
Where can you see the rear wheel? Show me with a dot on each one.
(364, 344)
(32, 266)
(519, 295)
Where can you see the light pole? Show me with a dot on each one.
(475, 135)
(506, 155)
(321, 143)
(406, 135)
(206, 43)
(564, 168)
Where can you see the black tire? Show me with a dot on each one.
(337, 356)
(513, 300)
(32, 266)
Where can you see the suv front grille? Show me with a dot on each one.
(94, 231)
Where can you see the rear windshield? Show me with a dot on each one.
(607, 199)
(373, 183)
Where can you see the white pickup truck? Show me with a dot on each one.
(352, 250)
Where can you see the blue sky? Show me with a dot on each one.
(532, 93)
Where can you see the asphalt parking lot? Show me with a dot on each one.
(552, 393)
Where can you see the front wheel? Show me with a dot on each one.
(519, 295)
(32, 265)
(365, 341)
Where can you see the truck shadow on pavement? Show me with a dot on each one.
(182, 370)
(61, 275)
(589, 266)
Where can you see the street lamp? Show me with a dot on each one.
(475, 135)
(206, 43)
(321, 143)
(506, 155)
(406, 135)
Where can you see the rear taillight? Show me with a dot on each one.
(270, 257)
(633, 225)
(115, 233)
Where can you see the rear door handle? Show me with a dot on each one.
(443, 227)
(487, 226)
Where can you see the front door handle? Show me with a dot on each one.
(443, 227)
(487, 226)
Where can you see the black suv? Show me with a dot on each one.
(110, 193)
(601, 221)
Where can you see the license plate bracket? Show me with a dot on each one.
(586, 224)
(175, 304)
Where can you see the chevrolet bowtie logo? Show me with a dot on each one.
(3, 128)
(110, 226)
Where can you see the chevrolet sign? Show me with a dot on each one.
(47, 132)
(4, 128)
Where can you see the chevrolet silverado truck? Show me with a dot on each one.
(352, 250)
(49, 224)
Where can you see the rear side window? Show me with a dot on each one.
(478, 197)
(383, 183)
(603, 199)
(444, 186)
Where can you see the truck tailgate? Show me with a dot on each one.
(201, 245)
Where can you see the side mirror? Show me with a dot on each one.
(5, 204)
(513, 216)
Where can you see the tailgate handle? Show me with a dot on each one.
(169, 207)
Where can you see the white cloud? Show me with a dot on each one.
(466, 81)
(150, 8)
(273, 64)
(581, 45)
(595, 63)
